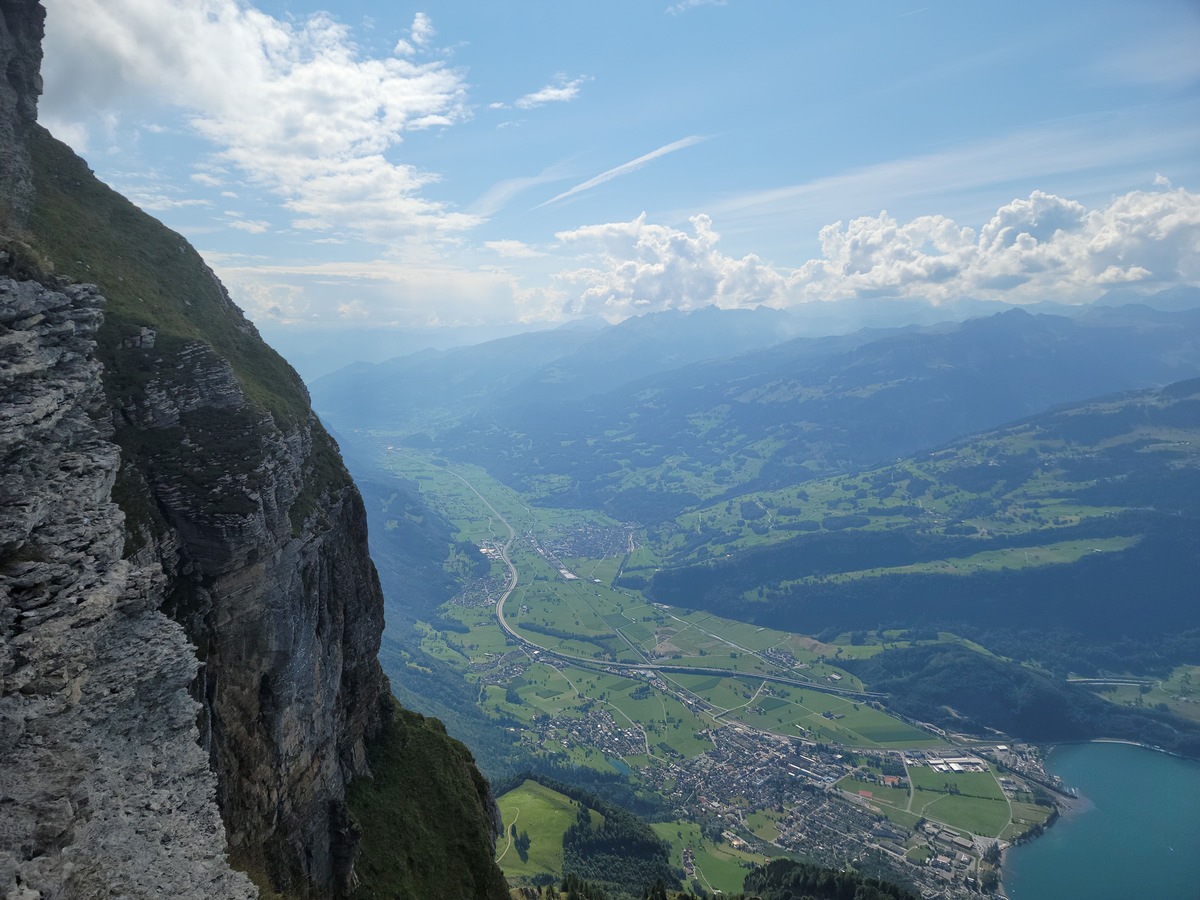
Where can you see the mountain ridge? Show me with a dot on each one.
(215, 493)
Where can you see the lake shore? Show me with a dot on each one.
(1138, 805)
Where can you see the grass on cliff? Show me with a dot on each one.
(424, 815)
(151, 276)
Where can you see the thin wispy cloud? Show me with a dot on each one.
(500, 194)
(625, 168)
(684, 5)
(560, 90)
(1084, 150)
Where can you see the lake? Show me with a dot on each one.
(1137, 834)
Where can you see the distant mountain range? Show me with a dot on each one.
(320, 351)
(664, 412)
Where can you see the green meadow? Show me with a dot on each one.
(545, 815)
(719, 867)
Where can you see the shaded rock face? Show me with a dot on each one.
(286, 611)
(252, 540)
(189, 617)
(103, 786)
(159, 483)
(21, 29)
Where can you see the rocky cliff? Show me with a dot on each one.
(103, 785)
(189, 620)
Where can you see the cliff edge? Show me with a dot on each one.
(189, 618)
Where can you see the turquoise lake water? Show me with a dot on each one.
(1137, 836)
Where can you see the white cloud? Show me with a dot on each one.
(294, 107)
(684, 5)
(390, 293)
(422, 30)
(1042, 247)
(500, 194)
(154, 201)
(1094, 154)
(559, 91)
(72, 133)
(252, 226)
(625, 168)
(420, 33)
(354, 309)
(639, 267)
(513, 249)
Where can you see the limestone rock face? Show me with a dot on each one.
(104, 788)
(280, 597)
(189, 617)
(21, 28)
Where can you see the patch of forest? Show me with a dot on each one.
(1093, 598)
(785, 879)
(964, 691)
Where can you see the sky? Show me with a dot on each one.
(397, 165)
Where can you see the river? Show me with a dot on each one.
(1137, 833)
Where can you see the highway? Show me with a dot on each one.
(602, 665)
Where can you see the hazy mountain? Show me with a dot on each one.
(1095, 505)
(652, 446)
(562, 364)
(316, 352)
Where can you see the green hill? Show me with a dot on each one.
(1096, 505)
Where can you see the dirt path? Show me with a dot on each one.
(509, 831)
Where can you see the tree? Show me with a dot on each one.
(522, 844)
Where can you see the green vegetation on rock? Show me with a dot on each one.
(152, 278)
(424, 816)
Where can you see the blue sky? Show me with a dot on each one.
(461, 163)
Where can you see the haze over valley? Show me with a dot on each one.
(629, 452)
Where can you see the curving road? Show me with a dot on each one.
(590, 663)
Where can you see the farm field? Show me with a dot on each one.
(545, 815)
(968, 802)
(562, 605)
(1179, 692)
(718, 867)
(594, 676)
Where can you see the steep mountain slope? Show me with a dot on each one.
(1096, 505)
(93, 678)
(233, 515)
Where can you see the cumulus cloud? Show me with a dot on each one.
(1042, 247)
(639, 267)
(293, 106)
